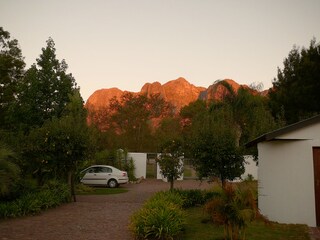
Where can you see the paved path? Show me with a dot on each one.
(91, 217)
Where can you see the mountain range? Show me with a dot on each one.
(178, 92)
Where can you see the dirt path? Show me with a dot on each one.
(91, 217)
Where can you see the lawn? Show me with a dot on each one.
(199, 227)
(86, 190)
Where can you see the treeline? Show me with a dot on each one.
(43, 131)
(45, 135)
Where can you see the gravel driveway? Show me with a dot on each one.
(91, 217)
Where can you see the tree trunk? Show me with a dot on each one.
(71, 185)
(171, 183)
(223, 183)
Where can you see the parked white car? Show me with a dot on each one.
(104, 175)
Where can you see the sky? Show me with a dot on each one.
(127, 43)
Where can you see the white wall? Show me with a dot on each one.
(286, 181)
(140, 161)
(250, 168)
(308, 132)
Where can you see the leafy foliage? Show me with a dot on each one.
(234, 208)
(11, 72)
(133, 116)
(198, 226)
(58, 148)
(161, 217)
(51, 195)
(296, 89)
(170, 161)
(213, 145)
(194, 197)
(9, 171)
(44, 91)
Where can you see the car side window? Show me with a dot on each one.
(98, 170)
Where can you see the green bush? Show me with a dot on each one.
(129, 167)
(50, 195)
(166, 196)
(194, 197)
(161, 217)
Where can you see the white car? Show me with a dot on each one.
(104, 175)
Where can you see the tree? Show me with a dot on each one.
(296, 89)
(11, 72)
(9, 171)
(170, 161)
(133, 118)
(44, 91)
(58, 148)
(213, 145)
(169, 130)
(249, 124)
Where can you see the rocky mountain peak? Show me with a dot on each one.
(179, 92)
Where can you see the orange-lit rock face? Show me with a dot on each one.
(178, 92)
(100, 98)
(217, 91)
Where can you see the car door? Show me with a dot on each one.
(89, 176)
(98, 175)
(101, 175)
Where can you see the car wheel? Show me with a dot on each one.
(112, 183)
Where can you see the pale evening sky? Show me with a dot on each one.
(126, 43)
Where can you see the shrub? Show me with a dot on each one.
(50, 195)
(233, 206)
(161, 217)
(193, 197)
(166, 196)
(129, 167)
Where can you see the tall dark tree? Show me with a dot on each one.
(214, 147)
(296, 89)
(252, 116)
(169, 130)
(216, 131)
(11, 72)
(133, 118)
(9, 171)
(44, 93)
(58, 148)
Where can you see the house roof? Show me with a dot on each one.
(272, 135)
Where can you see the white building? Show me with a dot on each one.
(289, 173)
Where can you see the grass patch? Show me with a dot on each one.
(86, 190)
(151, 171)
(198, 226)
(187, 172)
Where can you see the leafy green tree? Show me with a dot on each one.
(296, 89)
(9, 171)
(169, 129)
(61, 145)
(170, 161)
(43, 94)
(212, 143)
(249, 124)
(133, 118)
(11, 72)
